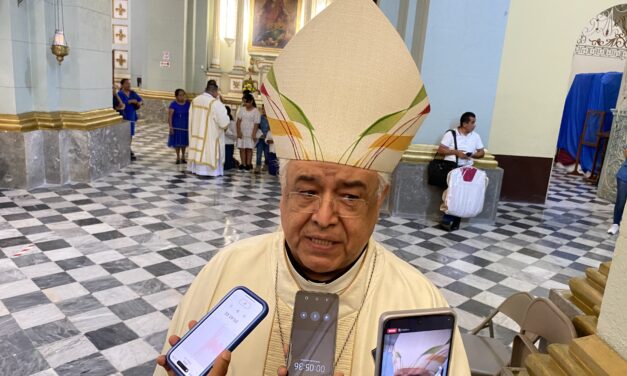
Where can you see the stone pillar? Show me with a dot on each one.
(56, 121)
(215, 49)
(239, 65)
(618, 138)
(612, 325)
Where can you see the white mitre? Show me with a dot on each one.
(345, 90)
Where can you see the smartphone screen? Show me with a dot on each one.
(417, 345)
(222, 328)
(314, 328)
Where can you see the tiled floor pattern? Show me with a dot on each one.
(91, 273)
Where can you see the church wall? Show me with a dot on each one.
(163, 22)
(534, 79)
(535, 72)
(7, 81)
(594, 64)
(196, 79)
(461, 60)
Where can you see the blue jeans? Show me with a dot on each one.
(262, 147)
(621, 198)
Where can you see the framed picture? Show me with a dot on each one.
(274, 23)
(120, 59)
(120, 9)
(120, 34)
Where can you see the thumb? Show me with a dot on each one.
(221, 365)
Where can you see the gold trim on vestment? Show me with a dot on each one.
(87, 120)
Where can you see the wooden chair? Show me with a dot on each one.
(593, 125)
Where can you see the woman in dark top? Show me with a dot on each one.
(178, 120)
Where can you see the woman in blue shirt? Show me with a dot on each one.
(178, 120)
(621, 195)
(132, 102)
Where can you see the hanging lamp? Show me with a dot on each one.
(59, 47)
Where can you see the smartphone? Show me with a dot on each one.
(468, 154)
(223, 328)
(417, 342)
(314, 328)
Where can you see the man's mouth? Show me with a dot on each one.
(321, 242)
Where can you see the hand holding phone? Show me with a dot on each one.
(314, 329)
(220, 366)
(418, 342)
(469, 154)
(223, 328)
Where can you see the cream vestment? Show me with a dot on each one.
(252, 262)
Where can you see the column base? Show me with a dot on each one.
(54, 157)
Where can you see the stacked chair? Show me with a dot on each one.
(541, 324)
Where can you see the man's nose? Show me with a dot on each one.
(325, 215)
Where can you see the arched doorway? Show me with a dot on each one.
(596, 72)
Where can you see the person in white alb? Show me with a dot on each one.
(469, 147)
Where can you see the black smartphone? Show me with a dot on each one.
(224, 327)
(314, 328)
(468, 154)
(415, 342)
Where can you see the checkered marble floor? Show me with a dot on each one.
(91, 273)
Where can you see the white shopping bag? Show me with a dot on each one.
(466, 192)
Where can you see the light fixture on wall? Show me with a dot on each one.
(228, 10)
(59, 46)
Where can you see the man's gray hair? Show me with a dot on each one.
(384, 177)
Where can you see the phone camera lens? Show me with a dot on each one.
(315, 316)
(326, 317)
(303, 315)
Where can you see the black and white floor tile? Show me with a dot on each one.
(91, 273)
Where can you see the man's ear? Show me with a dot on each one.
(383, 195)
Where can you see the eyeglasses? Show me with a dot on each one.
(345, 207)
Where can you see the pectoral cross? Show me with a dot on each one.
(121, 60)
(120, 10)
(121, 35)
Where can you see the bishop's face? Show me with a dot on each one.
(325, 241)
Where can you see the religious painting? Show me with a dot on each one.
(120, 9)
(120, 59)
(120, 34)
(274, 23)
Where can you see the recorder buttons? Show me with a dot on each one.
(315, 316)
(303, 315)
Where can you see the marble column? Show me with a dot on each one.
(215, 50)
(239, 65)
(56, 121)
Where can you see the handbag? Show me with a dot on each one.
(438, 169)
